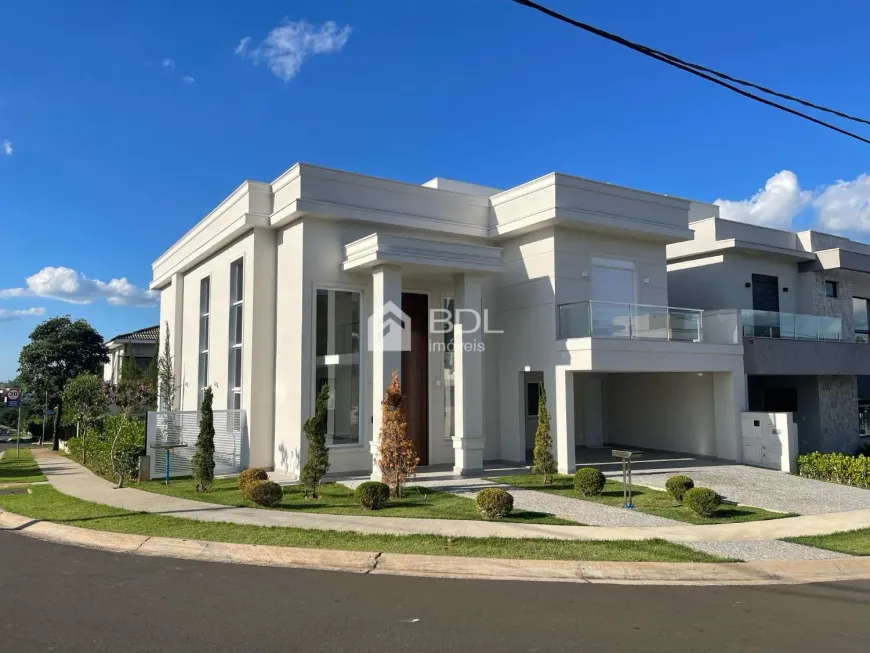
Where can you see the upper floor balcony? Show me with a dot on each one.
(790, 326)
(597, 319)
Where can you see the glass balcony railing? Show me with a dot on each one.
(596, 319)
(791, 326)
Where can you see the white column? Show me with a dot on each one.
(468, 440)
(729, 400)
(177, 331)
(564, 410)
(386, 297)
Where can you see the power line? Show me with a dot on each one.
(701, 71)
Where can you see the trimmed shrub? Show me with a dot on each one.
(677, 486)
(372, 495)
(589, 481)
(494, 503)
(248, 476)
(264, 493)
(702, 501)
(836, 468)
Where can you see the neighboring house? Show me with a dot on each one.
(800, 305)
(288, 285)
(139, 345)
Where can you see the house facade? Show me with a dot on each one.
(559, 283)
(799, 302)
(138, 346)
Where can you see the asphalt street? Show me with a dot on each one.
(60, 598)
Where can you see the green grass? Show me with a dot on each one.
(48, 504)
(337, 499)
(653, 502)
(19, 470)
(854, 543)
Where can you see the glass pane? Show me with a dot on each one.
(346, 329)
(611, 320)
(685, 325)
(237, 281)
(203, 333)
(859, 313)
(237, 401)
(449, 382)
(203, 296)
(343, 408)
(236, 322)
(203, 370)
(649, 322)
(574, 320)
(321, 321)
(236, 368)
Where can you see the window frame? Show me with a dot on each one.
(449, 433)
(836, 289)
(364, 411)
(865, 331)
(203, 351)
(234, 391)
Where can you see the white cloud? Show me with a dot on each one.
(187, 79)
(775, 205)
(7, 147)
(67, 285)
(8, 316)
(287, 46)
(169, 63)
(242, 47)
(845, 205)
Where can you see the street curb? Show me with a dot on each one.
(362, 562)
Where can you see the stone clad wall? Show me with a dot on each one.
(838, 413)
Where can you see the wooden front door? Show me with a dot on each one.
(415, 373)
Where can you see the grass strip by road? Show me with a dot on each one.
(46, 503)
(647, 500)
(337, 499)
(21, 469)
(853, 543)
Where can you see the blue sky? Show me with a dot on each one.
(129, 121)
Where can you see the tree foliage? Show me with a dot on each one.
(544, 462)
(135, 393)
(60, 349)
(202, 462)
(396, 456)
(166, 375)
(317, 462)
(85, 402)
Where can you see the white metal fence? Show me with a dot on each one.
(179, 430)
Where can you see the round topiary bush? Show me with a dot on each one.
(494, 503)
(264, 493)
(589, 481)
(702, 501)
(677, 486)
(248, 476)
(372, 495)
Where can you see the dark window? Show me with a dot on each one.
(765, 293)
(533, 393)
(780, 400)
(860, 322)
(831, 289)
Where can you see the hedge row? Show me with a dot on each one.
(131, 443)
(836, 468)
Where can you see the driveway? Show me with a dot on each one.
(752, 486)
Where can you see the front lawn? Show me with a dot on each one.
(653, 502)
(21, 469)
(48, 504)
(853, 543)
(337, 499)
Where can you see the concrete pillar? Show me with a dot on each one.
(729, 400)
(563, 402)
(468, 441)
(386, 356)
(176, 327)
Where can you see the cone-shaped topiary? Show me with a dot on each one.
(202, 462)
(396, 456)
(544, 462)
(317, 463)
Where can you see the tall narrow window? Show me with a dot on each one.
(204, 305)
(449, 384)
(337, 359)
(859, 319)
(237, 297)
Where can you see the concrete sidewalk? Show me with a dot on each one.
(71, 478)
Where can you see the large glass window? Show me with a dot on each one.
(449, 383)
(204, 306)
(864, 418)
(337, 360)
(859, 319)
(237, 296)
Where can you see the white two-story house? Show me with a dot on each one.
(561, 281)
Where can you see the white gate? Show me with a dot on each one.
(176, 432)
(770, 440)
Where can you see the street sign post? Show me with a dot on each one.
(13, 398)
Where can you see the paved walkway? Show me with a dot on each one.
(71, 478)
